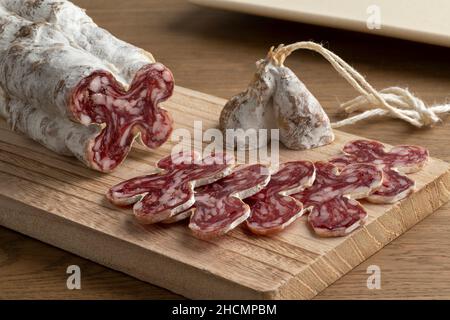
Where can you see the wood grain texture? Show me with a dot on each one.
(214, 52)
(56, 200)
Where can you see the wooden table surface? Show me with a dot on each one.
(214, 52)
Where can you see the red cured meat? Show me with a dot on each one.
(76, 89)
(396, 162)
(124, 114)
(159, 196)
(219, 207)
(272, 209)
(333, 210)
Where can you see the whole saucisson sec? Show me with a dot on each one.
(277, 98)
(75, 88)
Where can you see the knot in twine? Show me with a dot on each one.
(394, 101)
(404, 105)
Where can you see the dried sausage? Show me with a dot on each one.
(161, 195)
(395, 163)
(219, 207)
(333, 210)
(75, 88)
(272, 209)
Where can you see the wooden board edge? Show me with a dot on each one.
(139, 263)
(366, 241)
(194, 283)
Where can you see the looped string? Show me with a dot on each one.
(394, 101)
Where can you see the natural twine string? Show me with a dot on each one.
(394, 101)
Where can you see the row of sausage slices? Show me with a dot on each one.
(217, 196)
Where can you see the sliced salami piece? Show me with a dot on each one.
(395, 162)
(57, 66)
(219, 207)
(161, 195)
(333, 210)
(179, 160)
(179, 217)
(272, 209)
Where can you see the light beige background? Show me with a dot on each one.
(419, 20)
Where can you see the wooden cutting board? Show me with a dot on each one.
(57, 200)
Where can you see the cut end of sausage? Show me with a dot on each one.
(101, 100)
